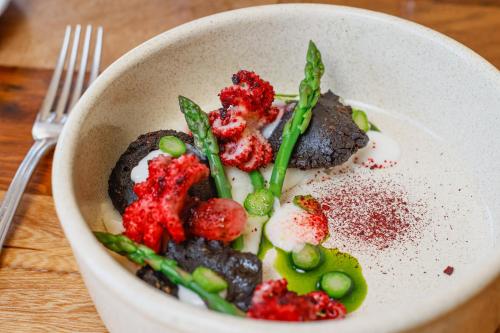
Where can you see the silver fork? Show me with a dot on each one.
(51, 117)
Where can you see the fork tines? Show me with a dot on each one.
(63, 107)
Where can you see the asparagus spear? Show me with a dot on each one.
(141, 255)
(206, 142)
(257, 179)
(309, 92)
(286, 97)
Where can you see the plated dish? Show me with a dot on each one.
(421, 101)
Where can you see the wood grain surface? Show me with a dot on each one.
(40, 287)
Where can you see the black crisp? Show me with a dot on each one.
(331, 138)
(242, 271)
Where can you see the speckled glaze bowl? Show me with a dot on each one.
(411, 71)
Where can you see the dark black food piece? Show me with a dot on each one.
(157, 280)
(120, 186)
(242, 271)
(331, 138)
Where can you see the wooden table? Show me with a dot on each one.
(40, 287)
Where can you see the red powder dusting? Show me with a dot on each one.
(448, 270)
(375, 212)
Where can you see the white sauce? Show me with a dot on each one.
(190, 297)
(187, 296)
(268, 270)
(381, 152)
(140, 172)
(111, 219)
(240, 184)
(292, 178)
(268, 130)
(253, 232)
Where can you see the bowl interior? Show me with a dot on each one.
(411, 73)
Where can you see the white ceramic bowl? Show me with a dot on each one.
(378, 59)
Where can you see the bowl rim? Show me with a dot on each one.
(125, 286)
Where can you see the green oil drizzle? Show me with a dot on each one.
(332, 260)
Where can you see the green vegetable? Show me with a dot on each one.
(359, 117)
(332, 260)
(259, 202)
(141, 255)
(172, 145)
(373, 127)
(336, 284)
(286, 97)
(209, 280)
(309, 93)
(308, 258)
(308, 203)
(257, 179)
(206, 142)
(238, 243)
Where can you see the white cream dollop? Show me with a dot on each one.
(140, 172)
(283, 231)
(381, 152)
(268, 130)
(187, 296)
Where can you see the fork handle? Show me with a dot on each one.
(16, 189)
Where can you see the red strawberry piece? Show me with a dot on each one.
(161, 199)
(236, 96)
(268, 154)
(269, 116)
(247, 107)
(324, 307)
(267, 150)
(273, 301)
(249, 92)
(256, 157)
(218, 219)
(227, 125)
(236, 152)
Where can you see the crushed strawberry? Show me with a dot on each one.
(218, 219)
(246, 108)
(271, 115)
(227, 125)
(267, 150)
(234, 153)
(325, 307)
(255, 161)
(273, 301)
(161, 199)
(249, 92)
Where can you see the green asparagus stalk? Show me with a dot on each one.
(286, 97)
(309, 93)
(257, 179)
(141, 255)
(206, 142)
